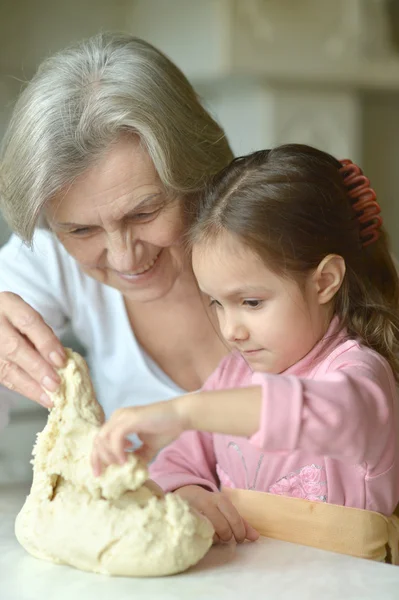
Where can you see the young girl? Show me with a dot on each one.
(288, 246)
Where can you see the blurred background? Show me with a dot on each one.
(271, 71)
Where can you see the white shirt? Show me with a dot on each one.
(51, 281)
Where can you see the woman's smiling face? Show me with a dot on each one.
(120, 225)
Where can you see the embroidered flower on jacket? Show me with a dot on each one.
(309, 482)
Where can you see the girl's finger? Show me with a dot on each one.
(219, 522)
(116, 446)
(234, 519)
(146, 453)
(250, 532)
(105, 455)
(216, 539)
(96, 463)
(154, 488)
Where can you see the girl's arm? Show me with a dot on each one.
(234, 411)
(190, 460)
(187, 467)
(348, 414)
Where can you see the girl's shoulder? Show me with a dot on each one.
(352, 351)
(351, 355)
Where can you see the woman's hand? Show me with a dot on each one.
(28, 350)
(157, 425)
(226, 521)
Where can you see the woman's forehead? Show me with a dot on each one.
(121, 180)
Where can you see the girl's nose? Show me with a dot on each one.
(233, 330)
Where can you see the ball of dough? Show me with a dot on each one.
(111, 524)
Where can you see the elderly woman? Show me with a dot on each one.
(105, 154)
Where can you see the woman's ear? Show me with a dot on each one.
(328, 277)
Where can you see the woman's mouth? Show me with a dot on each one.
(141, 271)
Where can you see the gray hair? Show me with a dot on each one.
(83, 99)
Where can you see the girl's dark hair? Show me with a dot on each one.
(291, 207)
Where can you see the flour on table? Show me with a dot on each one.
(111, 524)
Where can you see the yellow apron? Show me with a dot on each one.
(353, 531)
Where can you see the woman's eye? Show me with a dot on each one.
(144, 216)
(81, 231)
(253, 303)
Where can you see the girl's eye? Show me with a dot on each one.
(253, 303)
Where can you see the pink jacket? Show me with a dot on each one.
(329, 431)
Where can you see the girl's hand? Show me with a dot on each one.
(154, 488)
(157, 425)
(226, 521)
(29, 350)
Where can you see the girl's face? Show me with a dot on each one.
(117, 221)
(270, 320)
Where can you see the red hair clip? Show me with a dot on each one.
(364, 200)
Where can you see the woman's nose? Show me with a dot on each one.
(120, 252)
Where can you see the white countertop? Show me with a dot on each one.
(267, 569)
